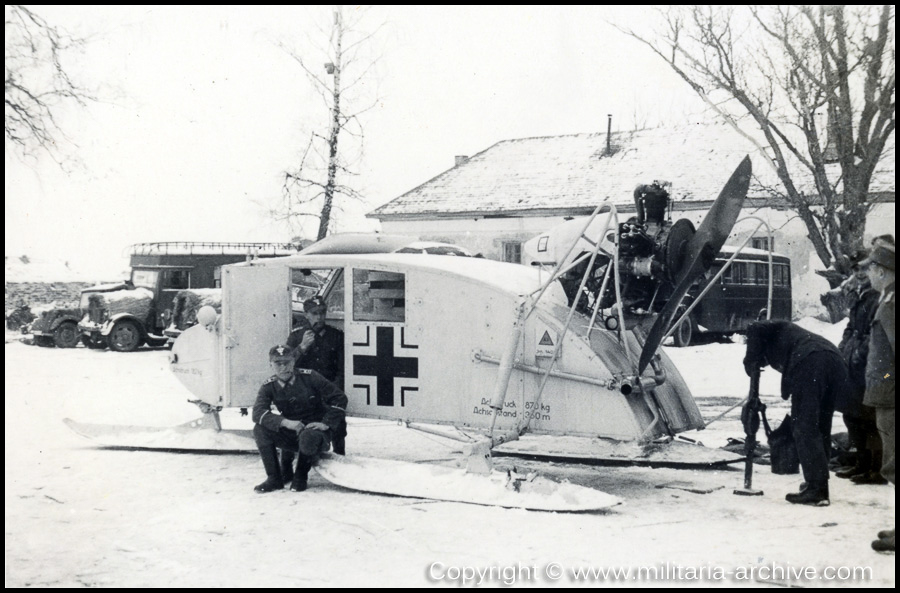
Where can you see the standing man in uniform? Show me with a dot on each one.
(859, 418)
(321, 349)
(310, 409)
(880, 365)
(813, 372)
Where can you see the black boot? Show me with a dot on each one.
(273, 482)
(287, 466)
(339, 438)
(301, 476)
(886, 544)
(815, 494)
(872, 477)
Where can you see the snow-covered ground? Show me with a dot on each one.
(78, 515)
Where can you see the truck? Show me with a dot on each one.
(141, 310)
(59, 326)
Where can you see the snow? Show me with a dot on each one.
(79, 515)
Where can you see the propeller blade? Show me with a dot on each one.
(720, 219)
(701, 251)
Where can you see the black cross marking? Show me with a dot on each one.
(385, 366)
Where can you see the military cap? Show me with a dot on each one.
(314, 304)
(281, 353)
(882, 253)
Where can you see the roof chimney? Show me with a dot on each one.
(608, 133)
(461, 159)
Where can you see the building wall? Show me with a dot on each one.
(479, 235)
(486, 236)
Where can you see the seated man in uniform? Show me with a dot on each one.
(311, 409)
(320, 348)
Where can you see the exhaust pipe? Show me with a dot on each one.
(644, 384)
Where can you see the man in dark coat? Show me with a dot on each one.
(854, 346)
(813, 373)
(309, 410)
(319, 347)
(880, 366)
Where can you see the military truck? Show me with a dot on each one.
(185, 307)
(59, 327)
(139, 313)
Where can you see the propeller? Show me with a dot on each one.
(700, 252)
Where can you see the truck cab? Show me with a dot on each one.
(140, 312)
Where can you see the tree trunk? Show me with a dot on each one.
(325, 217)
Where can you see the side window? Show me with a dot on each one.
(306, 283)
(145, 278)
(728, 276)
(762, 274)
(176, 279)
(379, 296)
(782, 275)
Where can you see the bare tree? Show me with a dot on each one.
(783, 67)
(37, 83)
(346, 87)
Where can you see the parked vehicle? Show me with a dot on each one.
(139, 314)
(59, 327)
(19, 318)
(434, 248)
(740, 296)
(185, 307)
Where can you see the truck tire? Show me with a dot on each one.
(684, 333)
(125, 336)
(66, 335)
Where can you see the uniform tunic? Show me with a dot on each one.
(325, 355)
(880, 378)
(307, 397)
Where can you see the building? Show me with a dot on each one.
(494, 201)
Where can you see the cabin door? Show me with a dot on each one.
(256, 315)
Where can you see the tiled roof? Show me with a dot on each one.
(557, 173)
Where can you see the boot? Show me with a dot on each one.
(862, 466)
(887, 533)
(273, 482)
(868, 478)
(287, 466)
(815, 494)
(884, 545)
(301, 476)
(339, 446)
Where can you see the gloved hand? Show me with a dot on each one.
(317, 426)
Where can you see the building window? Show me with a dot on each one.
(512, 252)
(762, 243)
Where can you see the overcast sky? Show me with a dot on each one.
(201, 112)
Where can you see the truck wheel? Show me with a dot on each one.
(125, 336)
(66, 335)
(98, 344)
(684, 332)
